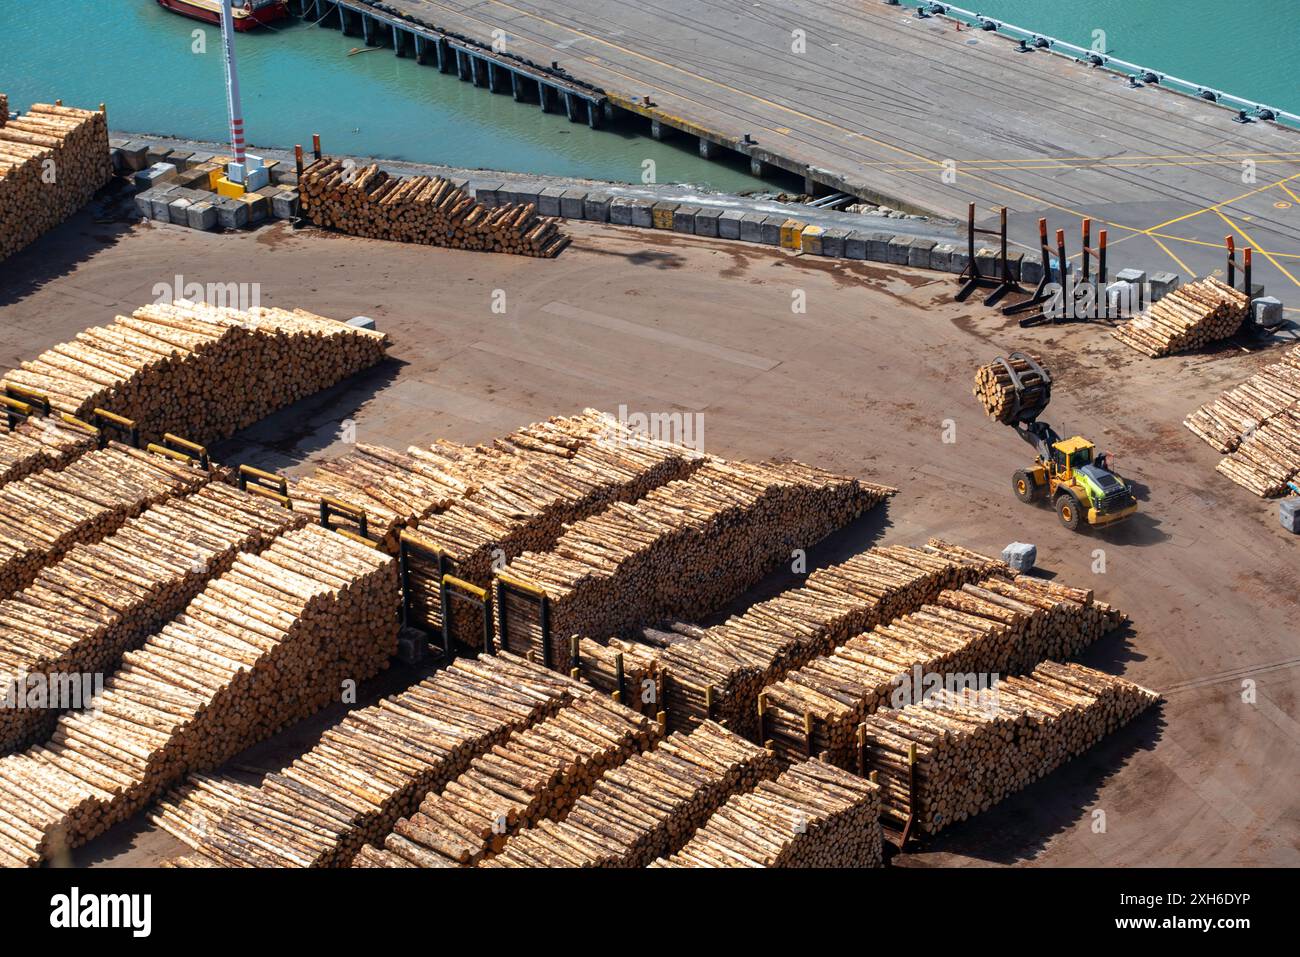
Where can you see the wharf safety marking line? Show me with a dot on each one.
(1268, 255)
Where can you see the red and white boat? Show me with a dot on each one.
(248, 14)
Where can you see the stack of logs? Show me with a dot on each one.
(370, 769)
(52, 161)
(969, 636)
(80, 615)
(683, 550)
(972, 751)
(536, 775)
(429, 210)
(1190, 317)
(268, 643)
(45, 514)
(1002, 401)
(719, 672)
(199, 371)
(813, 815)
(647, 808)
(42, 444)
(1258, 425)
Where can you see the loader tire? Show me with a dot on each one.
(1069, 511)
(1026, 489)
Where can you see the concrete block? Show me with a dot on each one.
(1015, 262)
(285, 176)
(572, 202)
(161, 202)
(1031, 270)
(232, 213)
(989, 262)
(918, 253)
(178, 211)
(548, 201)
(191, 179)
(284, 205)
(596, 207)
(526, 193)
(900, 249)
(156, 154)
(855, 245)
(643, 213)
(1163, 283)
(1288, 513)
(770, 230)
(180, 159)
(620, 211)
(751, 227)
(201, 215)
(1021, 556)
(1124, 299)
(878, 247)
(810, 240)
(198, 157)
(1136, 276)
(117, 142)
(362, 322)
(662, 215)
(958, 260)
(684, 219)
(259, 208)
(1267, 312)
(833, 242)
(729, 224)
(488, 196)
(941, 256)
(154, 175)
(706, 221)
(118, 160)
(135, 155)
(144, 203)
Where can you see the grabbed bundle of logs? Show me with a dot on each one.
(966, 637)
(42, 444)
(46, 514)
(268, 643)
(366, 201)
(536, 775)
(367, 771)
(196, 370)
(968, 750)
(648, 807)
(1191, 316)
(813, 815)
(679, 552)
(996, 390)
(80, 615)
(52, 161)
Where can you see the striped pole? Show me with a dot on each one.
(233, 105)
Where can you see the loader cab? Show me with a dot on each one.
(1071, 454)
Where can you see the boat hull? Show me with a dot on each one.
(245, 20)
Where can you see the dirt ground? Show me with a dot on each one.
(868, 380)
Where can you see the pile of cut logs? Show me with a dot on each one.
(966, 636)
(370, 769)
(1256, 423)
(199, 371)
(52, 161)
(40, 445)
(366, 201)
(267, 643)
(813, 815)
(647, 808)
(45, 514)
(1002, 401)
(80, 615)
(536, 775)
(1190, 317)
(972, 751)
(683, 550)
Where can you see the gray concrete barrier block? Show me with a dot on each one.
(1288, 512)
(117, 159)
(144, 203)
(199, 157)
(259, 208)
(770, 230)
(941, 256)
(706, 222)
(1136, 276)
(135, 155)
(643, 213)
(1015, 263)
(284, 205)
(833, 242)
(1031, 271)
(855, 245)
(878, 247)
(900, 248)
(362, 322)
(572, 203)
(202, 215)
(160, 203)
(178, 211)
(989, 262)
(958, 261)
(729, 224)
(1267, 312)
(156, 174)
(1162, 284)
(596, 207)
(528, 193)
(684, 219)
(918, 252)
(285, 177)
(751, 227)
(180, 159)
(117, 142)
(1021, 556)
(620, 211)
(232, 214)
(156, 154)
(488, 195)
(548, 201)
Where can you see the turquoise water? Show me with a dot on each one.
(137, 58)
(1249, 48)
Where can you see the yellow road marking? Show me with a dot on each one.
(1217, 206)
(1170, 253)
(1246, 236)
